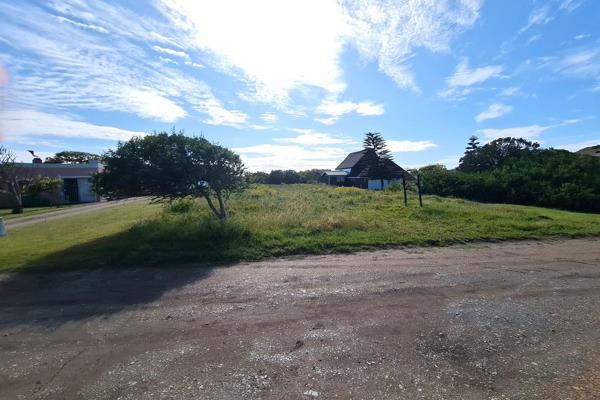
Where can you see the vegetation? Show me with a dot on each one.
(517, 171)
(11, 183)
(289, 177)
(72, 157)
(172, 166)
(270, 221)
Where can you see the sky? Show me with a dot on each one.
(296, 84)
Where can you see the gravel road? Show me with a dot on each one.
(484, 321)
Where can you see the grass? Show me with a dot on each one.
(275, 221)
(7, 214)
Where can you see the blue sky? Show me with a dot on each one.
(297, 84)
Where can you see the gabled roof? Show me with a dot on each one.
(334, 173)
(351, 160)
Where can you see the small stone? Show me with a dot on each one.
(311, 393)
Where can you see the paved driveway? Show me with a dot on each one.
(487, 321)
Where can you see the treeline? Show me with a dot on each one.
(517, 171)
(278, 176)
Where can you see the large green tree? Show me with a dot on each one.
(171, 166)
(377, 156)
(72, 157)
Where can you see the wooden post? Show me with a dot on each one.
(419, 189)
(404, 189)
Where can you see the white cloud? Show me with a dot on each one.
(279, 46)
(539, 16)
(171, 52)
(17, 124)
(334, 110)
(401, 146)
(63, 67)
(495, 110)
(269, 117)
(149, 104)
(511, 91)
(82, 25)
(389, 32)
(534, 38)
(461, 82)
(581, 36)
(266, 157)
(582, 63)
(310, 137)
(530, 132)
(450, 161)
(579, 145)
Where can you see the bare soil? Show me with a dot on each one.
(485, 321)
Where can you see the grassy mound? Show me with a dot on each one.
(268, 221)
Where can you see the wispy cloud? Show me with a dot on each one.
(579, 145)
(20, 124)
(334, 110)
(269, 117)
(402, 146)
(530, 132)
(389, 32)
(68, 66)
(310, 137)
(510, 91)
(495, 110)
(464, 78)
(266, 157)
(547, 11)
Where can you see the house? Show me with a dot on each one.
(353, 171)
(76, 179)
(593, 151)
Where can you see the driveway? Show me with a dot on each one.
(486, 321)
(76, 210)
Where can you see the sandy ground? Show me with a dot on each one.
(485, 321)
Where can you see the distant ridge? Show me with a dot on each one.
(590, 151)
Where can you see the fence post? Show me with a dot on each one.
(404, 189)
(419, 189)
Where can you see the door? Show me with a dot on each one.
(71, 190)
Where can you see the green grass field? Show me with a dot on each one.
(275, 221)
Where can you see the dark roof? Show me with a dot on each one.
(351, 160)
(335, 173)
(397, 171)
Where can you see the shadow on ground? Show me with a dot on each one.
(101, 277)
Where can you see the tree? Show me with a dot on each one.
(72, 157)
(12, 183)
(493, 154)
(257, 177)
(49, 186)
(377, 156)
(172, 166)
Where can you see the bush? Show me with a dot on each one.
(548, 178)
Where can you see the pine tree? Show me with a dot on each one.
(377, 156)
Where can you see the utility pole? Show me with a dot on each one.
(419, 189)
(404, 189)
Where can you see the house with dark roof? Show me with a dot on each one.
(354, 171)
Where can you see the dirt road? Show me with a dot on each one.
(486, 321)
(67, 212)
